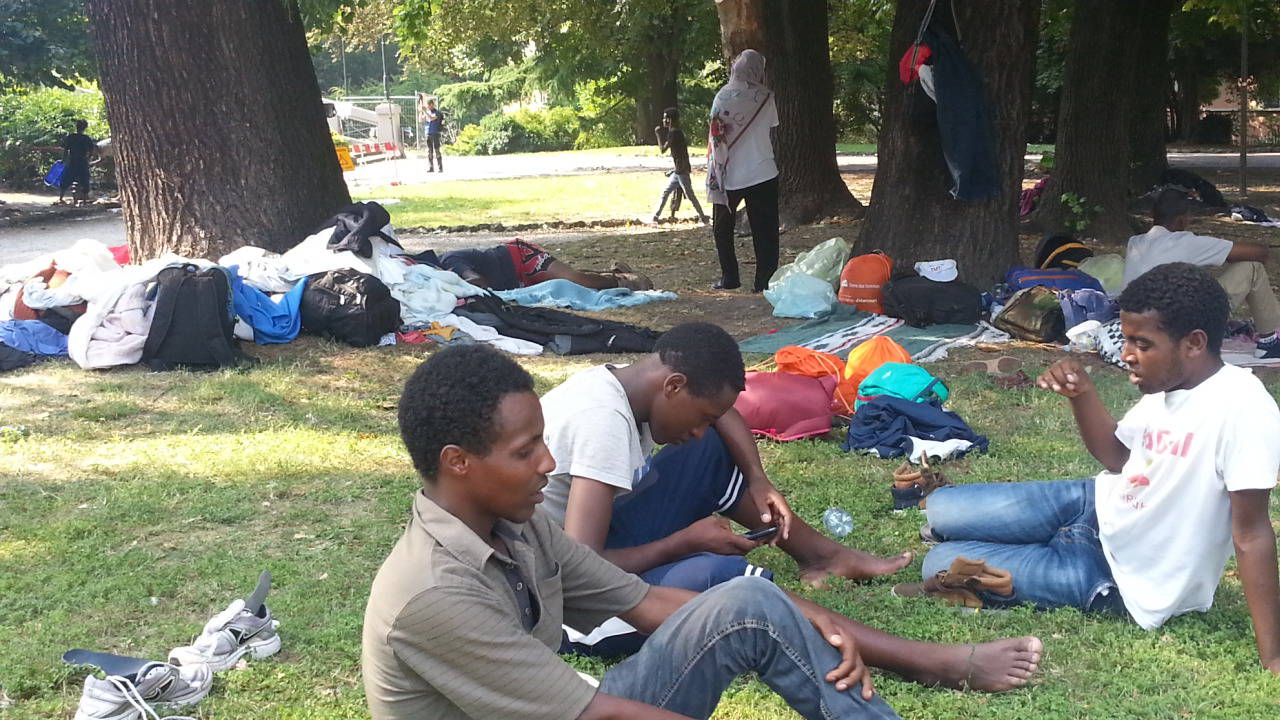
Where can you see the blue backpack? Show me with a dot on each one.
(1021, 278)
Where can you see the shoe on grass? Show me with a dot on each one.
(131, 686)
(1268, 349)
(244, 628)
(961, 583)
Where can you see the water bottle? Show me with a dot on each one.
(838, 521)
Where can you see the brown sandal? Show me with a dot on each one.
(961, 584)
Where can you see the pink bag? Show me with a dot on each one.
(784, 407)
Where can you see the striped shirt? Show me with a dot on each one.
(445, 634)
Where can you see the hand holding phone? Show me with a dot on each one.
(763, 533)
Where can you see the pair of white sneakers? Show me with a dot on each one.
(131, 686)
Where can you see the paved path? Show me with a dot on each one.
(27, 242)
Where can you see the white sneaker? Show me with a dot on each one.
(129, 697)
(245, 627)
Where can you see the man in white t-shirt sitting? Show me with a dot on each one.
(663, 517)
(1239, 267)
(1188, 470)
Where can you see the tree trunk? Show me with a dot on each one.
(1149, 107)
(216, 115)
(662, 63)
(912, 215)
(1093, 149)
(793, 38)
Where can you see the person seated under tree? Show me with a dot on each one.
(1187, 472)
(465, 614)
(519, 263)
(1239, 267)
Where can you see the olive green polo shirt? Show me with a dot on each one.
(444, 637)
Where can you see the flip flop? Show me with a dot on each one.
(1003, 365)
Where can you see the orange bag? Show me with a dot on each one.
(864, 359)
(803, 361)
(860, 281)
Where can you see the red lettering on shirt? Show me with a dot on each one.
(1159, 442)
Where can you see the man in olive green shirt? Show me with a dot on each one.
(464, 617)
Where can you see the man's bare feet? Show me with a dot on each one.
(991, 667)
(852, 564)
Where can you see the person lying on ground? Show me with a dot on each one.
(1187, 472)
(664, 517)
(465, 614)
(1239, 267)
(519, 263)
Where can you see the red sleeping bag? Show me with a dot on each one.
(785, 407)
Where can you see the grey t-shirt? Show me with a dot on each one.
(1159, 245)
(592, 433)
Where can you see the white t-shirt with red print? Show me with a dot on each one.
(1165, 520)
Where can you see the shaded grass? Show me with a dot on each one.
(140, 503)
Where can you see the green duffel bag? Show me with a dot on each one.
(1033, 314)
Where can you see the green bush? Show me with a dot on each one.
(42, 118)
(549, 129)
(501, 134)
(468, 141)
(522, 131)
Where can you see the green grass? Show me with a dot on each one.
(138, 504)
(567, 198)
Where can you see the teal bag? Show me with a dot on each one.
(902, 380)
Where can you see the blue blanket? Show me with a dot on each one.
(566, 294)
(272, 322)
(32, 336)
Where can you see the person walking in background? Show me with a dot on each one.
(740, 168)
(432, 120)
(78, 148)
(671, 137)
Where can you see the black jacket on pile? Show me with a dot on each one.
(561, 332)
(354, 224)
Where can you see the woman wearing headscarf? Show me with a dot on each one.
(740, 168)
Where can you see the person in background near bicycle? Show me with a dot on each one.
(433, 119)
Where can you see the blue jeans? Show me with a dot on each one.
(1044, 533)
(745, 625)
(681, 181)
(683, 484)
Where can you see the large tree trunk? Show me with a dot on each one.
(1149, 111)
(912, 215)
(1093, 150)
(216, 115)
(661, 64)
(793, 38)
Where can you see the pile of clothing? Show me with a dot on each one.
(351, 280)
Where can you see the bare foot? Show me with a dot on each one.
(988, 667)
(852, 564)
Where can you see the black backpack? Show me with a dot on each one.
(348, 305)
(1061, 251)
(923, 302)
(193, 321)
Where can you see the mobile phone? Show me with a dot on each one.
(761, 534)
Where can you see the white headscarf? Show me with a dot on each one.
(732, 111)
